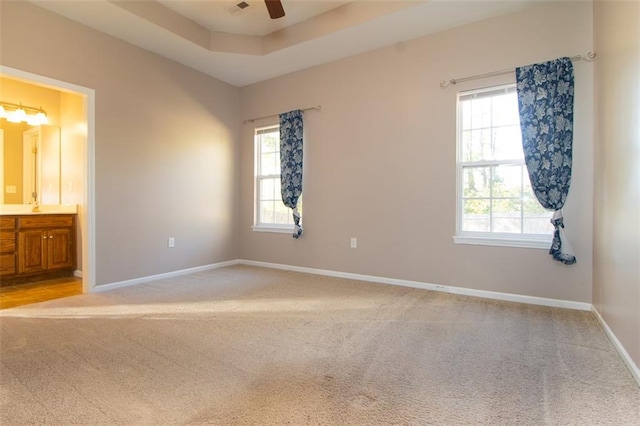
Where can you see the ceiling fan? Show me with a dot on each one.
(275, 9)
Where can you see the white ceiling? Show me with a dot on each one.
(224, 16)
(249, 47)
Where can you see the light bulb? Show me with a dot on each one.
(42, 117)
(3, 113)
(20, 115)
(33, 120)
(16, 116)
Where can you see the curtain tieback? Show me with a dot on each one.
(560, 249)
(297, 229)
(557, 219)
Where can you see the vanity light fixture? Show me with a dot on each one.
(17, 113)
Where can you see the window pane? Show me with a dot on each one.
(270, 209)
(505, 110)
(476, 181)
(536, 218)
(466, 114)
(267, 189)
(283, 215)
(496, 197)
(277, 194)
(506, 216)
(479, 147)
(480, 113)
(466, 145)
(475, 215)
(537, 224)
(266, 211)
(269, 142)
(268, 164)
(507, 181)
(530, 201)
(507, 143)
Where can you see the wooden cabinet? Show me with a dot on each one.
(7, 245)
(44, 250)
(45, 243)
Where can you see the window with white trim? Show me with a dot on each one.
(496, 205)
(270, 212)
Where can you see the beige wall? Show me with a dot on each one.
(616, 277)
(165, 144)
(380, 158)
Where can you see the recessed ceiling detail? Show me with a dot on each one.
(250, 47)
(326, 17)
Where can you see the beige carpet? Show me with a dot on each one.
(244, 345)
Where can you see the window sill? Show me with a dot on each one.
(535, 243)
(276, 229)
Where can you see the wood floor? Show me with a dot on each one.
(12, 295)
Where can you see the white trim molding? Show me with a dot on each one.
(626, 358)
(544, 243)
(276, 229)
(532, 300)
(88, 216)
(509, 297)
(149, 278)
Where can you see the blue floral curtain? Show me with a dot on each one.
(291, 163)
(545, 100)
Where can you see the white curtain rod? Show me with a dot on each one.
(251, 120)
(589, 57)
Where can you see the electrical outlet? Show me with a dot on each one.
(354, 242)
(171, 242)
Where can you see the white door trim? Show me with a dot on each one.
(2, 188)
(88, 213)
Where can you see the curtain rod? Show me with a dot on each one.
(251, 120)
(589, 57)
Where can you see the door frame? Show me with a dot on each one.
(87, 208)
(2, 188)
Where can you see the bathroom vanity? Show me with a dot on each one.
(37, 244)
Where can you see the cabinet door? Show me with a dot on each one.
(32, 251)
(60, 253)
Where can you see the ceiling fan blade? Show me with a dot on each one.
(275, 8)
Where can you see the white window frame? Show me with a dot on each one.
(524, 240)
(258, 225)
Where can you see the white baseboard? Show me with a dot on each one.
(509, 297)
(532, 300)
(127, 283)
(77, 273)
(633, 368)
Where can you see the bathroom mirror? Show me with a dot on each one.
(30, 159)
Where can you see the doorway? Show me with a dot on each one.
(86, 203)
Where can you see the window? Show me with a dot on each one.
(496, 204)
(270, 212)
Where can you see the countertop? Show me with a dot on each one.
(27, 209)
